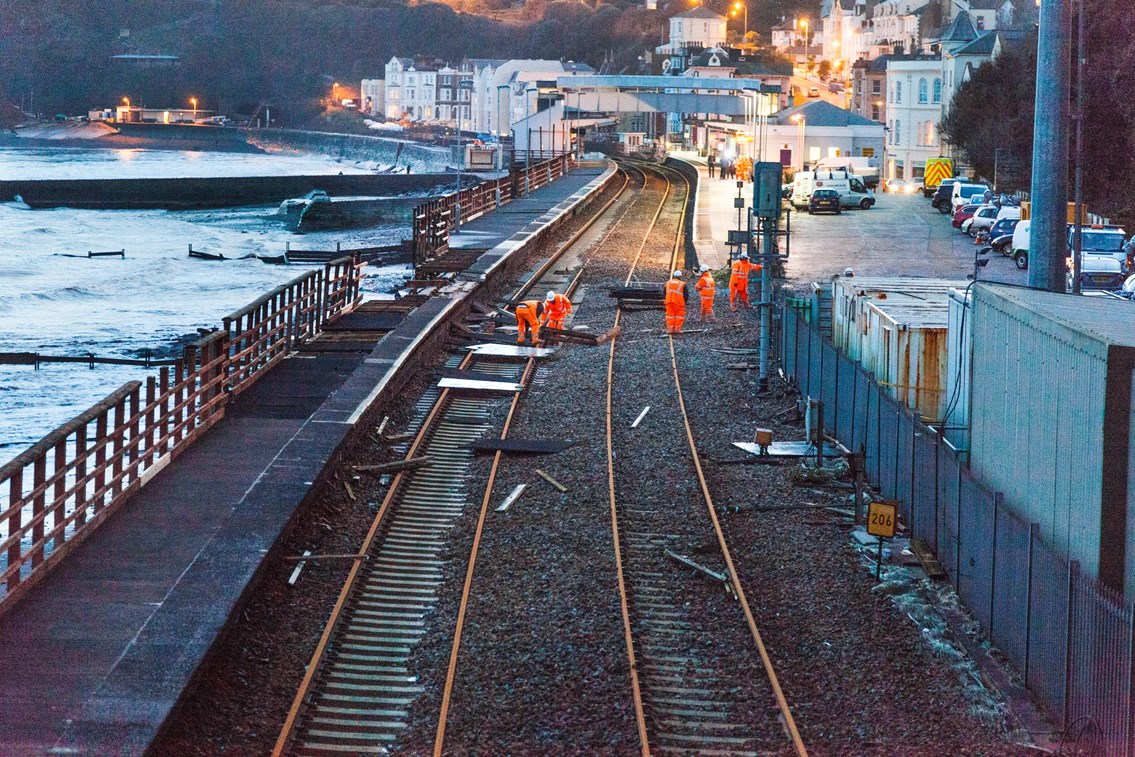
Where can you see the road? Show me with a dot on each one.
(801, 85)
(901, 236)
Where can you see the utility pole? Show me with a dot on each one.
(1078, 191)
(1048, 243)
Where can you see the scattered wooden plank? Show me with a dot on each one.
(382, 426)
(399, 437)
(296, 572)
(395, 466)
(518, 445)
(512, 497)
(350, 491)
(552, 481)
(697, 566)
(641, 415)
(307, 556)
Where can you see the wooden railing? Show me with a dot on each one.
(435, 219)
(58, 490)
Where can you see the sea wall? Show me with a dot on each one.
(188, 194)
(387, 151)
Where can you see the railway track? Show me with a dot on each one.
(358, 690)
(689, 698)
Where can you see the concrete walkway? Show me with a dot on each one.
(98, 653)
(714, 214)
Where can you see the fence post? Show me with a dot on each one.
(15, 508)
(1073, 573)
(1034, 534)
(998, 501)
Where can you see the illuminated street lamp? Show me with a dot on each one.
(737, 7)
(799, 120)
(193, 102)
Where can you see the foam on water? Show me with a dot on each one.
(56, 304)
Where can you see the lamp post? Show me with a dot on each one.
(463, 85)
(737, 8)
(193, 102)
(800, 119)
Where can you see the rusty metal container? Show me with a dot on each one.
(896, 328)
(1051, 400)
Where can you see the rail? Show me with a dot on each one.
(434, 220)
(57, 491)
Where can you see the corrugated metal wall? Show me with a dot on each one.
(1070, 638)
(1037, 416)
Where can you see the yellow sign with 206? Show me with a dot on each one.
(882, 518)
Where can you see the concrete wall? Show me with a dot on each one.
(183, 194)
(355, 147)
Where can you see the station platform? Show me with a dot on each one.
(714, 214)
(100, 651)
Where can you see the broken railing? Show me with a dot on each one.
(58, 490)
(434, 220)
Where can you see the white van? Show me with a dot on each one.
(1099, 242)
(965, 193)
(853, 193)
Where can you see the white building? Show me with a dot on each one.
(411, 90)
(697, 27)
(896, 24)
(786, 35)
(454, 97)
(914, 110)
(505, 92)
(372, 96)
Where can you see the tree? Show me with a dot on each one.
(825, 69)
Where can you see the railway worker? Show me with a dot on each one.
(675, 301)
(706, 288)
(527, 315)
(556, 310)
(739, 281)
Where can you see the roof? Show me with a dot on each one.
(1100, 318)
(913, 301)
(700, 12)
(983, 45)
(132, 56)
(784, 25)
(823, 113)
(962, 30)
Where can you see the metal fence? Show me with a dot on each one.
(1070, 637)
(61, 488)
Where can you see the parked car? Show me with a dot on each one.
(813, 92)
(1000, 236)
(942, 196)
(987, 215)
(963, 214)
(1098, 272)
(825, 199)
(1099, 242)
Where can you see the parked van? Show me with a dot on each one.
(964, 193)
(853, 193)
(1098, 242)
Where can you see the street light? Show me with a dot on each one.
(737, 6)
(463, 85)
(193, 102)
(800, 119)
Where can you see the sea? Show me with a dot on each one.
(54, 300)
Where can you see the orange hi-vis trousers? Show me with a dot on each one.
(526, 322)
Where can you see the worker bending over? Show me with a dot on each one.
(527, 315)
(556, 310)
(675, 303)
(706, 288)
(739, 281)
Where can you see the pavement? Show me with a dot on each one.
(101, 650)
(714, 214)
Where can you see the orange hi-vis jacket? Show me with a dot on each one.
(556, 311)
(675, 293)
(739, 276)
(706, 287)
(527, 313)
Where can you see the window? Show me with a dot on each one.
(898, 91)
(411, 79)
(937, 91)
(898, 128)
(445, 94)
(923, 95)
(874, 112)
(409, 94)
(876, 86)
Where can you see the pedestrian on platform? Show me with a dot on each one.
(706, 289)
(527, 320)
(739, 281)
(675, 301)
(711, 161)
(556, 310)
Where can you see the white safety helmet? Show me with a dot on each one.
(677, 274)
(744, 256)
(551, 296)
(704, 269)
